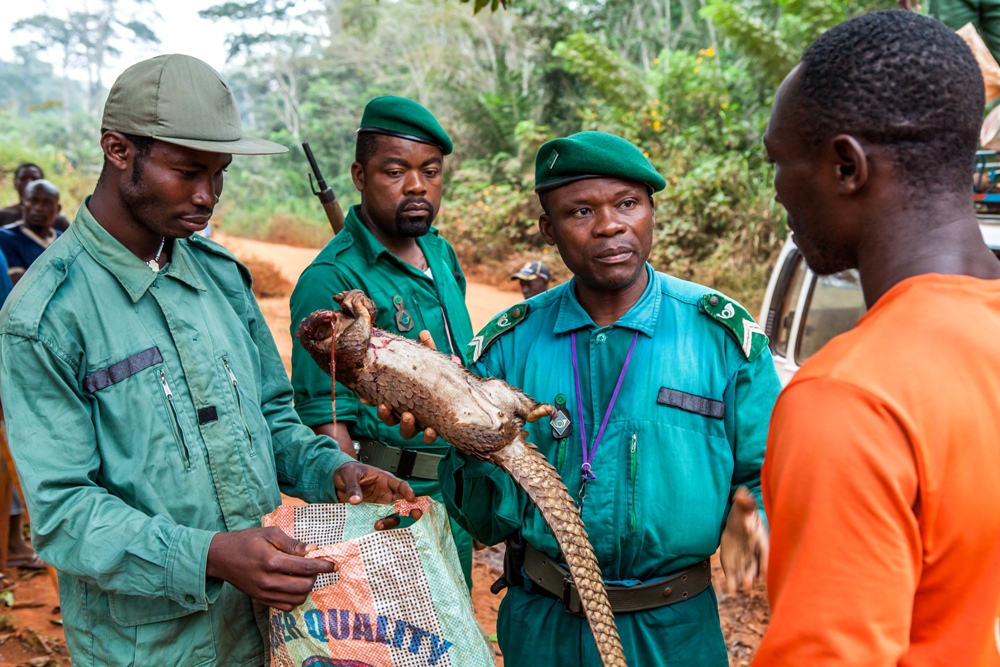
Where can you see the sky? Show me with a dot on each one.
(179, 28)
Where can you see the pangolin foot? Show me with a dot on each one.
(352, 302)
(540, 410)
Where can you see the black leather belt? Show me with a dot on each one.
(555, 580)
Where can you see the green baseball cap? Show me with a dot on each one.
(180, 100)
(400, 117)
(592, 155)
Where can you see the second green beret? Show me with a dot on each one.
(592, 155)
(400, 117)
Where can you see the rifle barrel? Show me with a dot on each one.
(315, 167)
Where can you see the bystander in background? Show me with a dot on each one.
(24, 174)
(534, 278)
(24, 241)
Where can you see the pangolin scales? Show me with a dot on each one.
(482, 418)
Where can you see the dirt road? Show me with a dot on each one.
(483, 301)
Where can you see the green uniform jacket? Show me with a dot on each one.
(355, 259)
(665, 476)
(146, 412)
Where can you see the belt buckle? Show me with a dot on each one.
(569, 587)
(407, 458)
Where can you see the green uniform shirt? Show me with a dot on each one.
(665, 476)
(146, 412)
(355, 259)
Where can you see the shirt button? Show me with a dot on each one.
(189, 599)
(601, 337)
(713, 301)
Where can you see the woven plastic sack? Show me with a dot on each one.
(984, 58)
(398, 598)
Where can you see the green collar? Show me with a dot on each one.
(129, 270)
(371, 247)
(640, 317)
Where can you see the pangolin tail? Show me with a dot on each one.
(539, 479)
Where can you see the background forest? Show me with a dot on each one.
(690, 81)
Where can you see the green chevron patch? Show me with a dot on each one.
(737, 321)
(500, 324)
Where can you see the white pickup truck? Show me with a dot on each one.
(802, 311)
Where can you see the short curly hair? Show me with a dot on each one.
(366, 147)
(900, 80)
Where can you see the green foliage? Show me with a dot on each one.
(494, 5)
(774, 40)
(86, 38)
(28, 85)
(761, 43)
(65, 148)
(689, 81)
(608, 75)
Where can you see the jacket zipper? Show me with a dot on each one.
(634, 457)
(239, 405)
(178, 433)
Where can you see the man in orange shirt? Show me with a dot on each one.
(882, 473)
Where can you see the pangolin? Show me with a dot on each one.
(482, 418)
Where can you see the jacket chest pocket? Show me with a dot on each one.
(238, 400)
(172, 416)
(139, 416)
(690, 411)
(244, 407)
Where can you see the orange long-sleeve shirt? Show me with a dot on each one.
(882, 486)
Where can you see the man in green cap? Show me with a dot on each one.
(388, 249)
(159, 428)
(663, 391)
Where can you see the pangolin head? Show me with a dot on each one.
(316, 334)
(352, 326)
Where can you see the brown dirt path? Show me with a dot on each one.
(28, 634)
(483, 301)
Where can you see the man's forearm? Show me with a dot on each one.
(339, 433)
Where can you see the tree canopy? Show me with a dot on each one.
(689, 81)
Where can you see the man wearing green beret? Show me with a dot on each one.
(663, 391)
(388, 249)
(159, 428)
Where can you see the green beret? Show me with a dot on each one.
(592, 155)
(400, 117)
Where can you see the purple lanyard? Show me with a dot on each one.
(586, 469)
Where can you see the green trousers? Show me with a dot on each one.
(463, 541)
(533, 630)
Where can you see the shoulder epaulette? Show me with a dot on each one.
(738, 322)
(213, 247)
(499, 325)
(219, 250)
